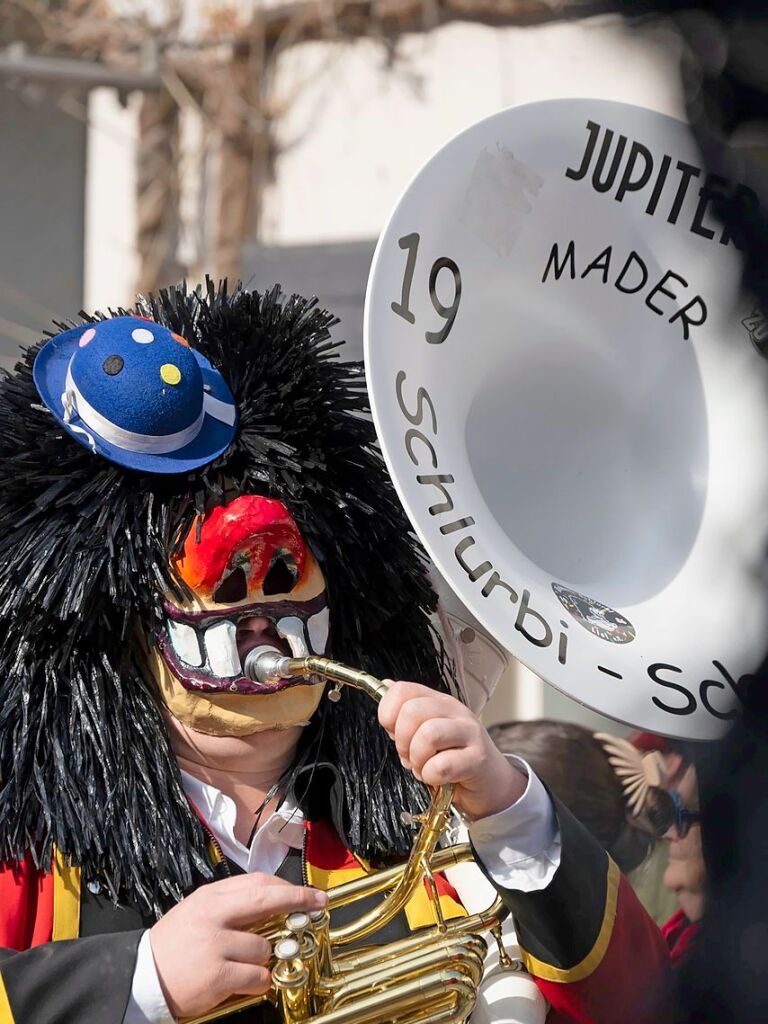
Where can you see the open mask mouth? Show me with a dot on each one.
(206, 650)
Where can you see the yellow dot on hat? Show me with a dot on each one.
(171, 374)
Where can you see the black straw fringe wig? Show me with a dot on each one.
(85, 761)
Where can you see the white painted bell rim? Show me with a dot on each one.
(712, 570)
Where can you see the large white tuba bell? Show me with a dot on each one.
(570, 403)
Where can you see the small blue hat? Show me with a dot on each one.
(137, 394)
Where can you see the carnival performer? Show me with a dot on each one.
(180, 486)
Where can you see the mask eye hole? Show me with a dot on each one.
(232, 588)
(281, 576)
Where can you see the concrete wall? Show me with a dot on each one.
(42, 211)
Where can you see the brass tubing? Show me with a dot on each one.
(460, 926)
(225, 1009)
(435, 818)
(410, 880)
(464, 957)
(399, 951)
(292, 981)
(348, 892)
(338, 673)
(319, 920)
(405, 1002)
(400, 967)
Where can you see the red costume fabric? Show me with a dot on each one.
(679, 934)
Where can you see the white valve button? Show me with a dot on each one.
(297, 922)
(287, 949)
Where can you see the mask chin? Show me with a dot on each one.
(235, 714)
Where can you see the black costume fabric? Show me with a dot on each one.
(723, 74)
(85, 549)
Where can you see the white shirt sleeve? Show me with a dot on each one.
(520, 846)
(147, 1003)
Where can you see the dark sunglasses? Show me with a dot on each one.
(665, 810)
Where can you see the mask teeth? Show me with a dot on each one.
(221, 650)
(291, 629)
(317, 627)
(185, 643)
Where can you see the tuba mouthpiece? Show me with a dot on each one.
(266, 665)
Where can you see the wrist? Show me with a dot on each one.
(502, 789)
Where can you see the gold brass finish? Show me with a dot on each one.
(430, 977)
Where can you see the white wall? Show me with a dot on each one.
(111, 261)
(355, 131)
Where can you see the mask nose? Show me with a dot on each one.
(251, 544)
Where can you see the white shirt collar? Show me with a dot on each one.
(281, 831)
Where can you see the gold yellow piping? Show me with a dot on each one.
(593, 959)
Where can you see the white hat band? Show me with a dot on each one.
(148, 444)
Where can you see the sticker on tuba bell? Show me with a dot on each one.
(570, 396)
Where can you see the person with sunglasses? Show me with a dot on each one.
(630, 795)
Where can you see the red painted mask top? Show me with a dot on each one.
(250, 544)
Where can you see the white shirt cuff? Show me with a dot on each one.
(520, 846)
(147, 1003)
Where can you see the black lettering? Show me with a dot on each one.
(659, 288)
(422, 399)
(593, 130)
(688, 171)
(562, 648)
(448, 313)
(457, 524)
(480, 570)
(411, 243)
(653, 202)
(493, 581)
(744, 210)
(643, 270)
(653, 672)
(437, 480)
(740, 687)
(688, 321)
(412, 435)
(525, 610)
(604, 186)
(601, 262)
(704, 688)
(627, 183)
(559, 268)
(707, 193)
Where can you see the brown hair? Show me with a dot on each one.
(572, 763)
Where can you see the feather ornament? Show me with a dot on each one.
(638, 772)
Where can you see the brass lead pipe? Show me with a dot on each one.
(434, 819)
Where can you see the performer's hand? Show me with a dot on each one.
(441, 741)
(202, 953)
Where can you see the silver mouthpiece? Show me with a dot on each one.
(266, 665)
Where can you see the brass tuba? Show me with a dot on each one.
(430, 977)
